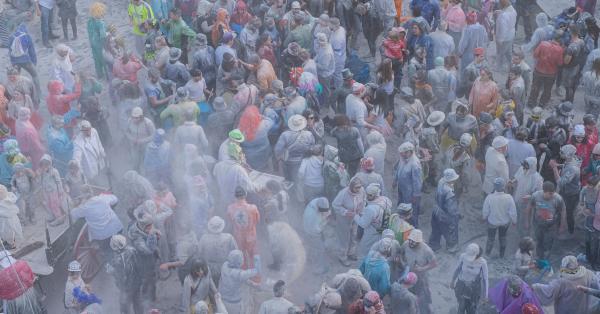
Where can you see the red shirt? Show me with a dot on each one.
(59, 104)
(244, 217)
(548, 56)
(394, 49)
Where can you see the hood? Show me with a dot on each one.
(55, 87)
(235, 259)
(240, 5)
(580, 276)
(541, 19)
(22, 28)
(532, 162)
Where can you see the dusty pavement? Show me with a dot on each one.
(471, 227)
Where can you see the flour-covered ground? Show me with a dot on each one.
(472, 229)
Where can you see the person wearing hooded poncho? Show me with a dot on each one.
(562, 292)
(235, 280)
(123, 267)
(543, 32)
(51, 189)
(420, 38)
(373, 218)
(8, 159)
(375, 268)
(60, 146)
(10, 225)
(509, 295)
(526, 181)
(132, 190)
(28, 137)
(156, 165)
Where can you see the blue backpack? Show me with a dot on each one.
(360, 68)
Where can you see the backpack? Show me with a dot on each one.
(16, 47)
(359, 67)
(385, 219)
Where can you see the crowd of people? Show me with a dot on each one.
(259, 131)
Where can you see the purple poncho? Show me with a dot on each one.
(507, 304)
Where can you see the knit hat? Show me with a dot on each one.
(410, 279)
(478, 51)
(367, 163)
(236, 135)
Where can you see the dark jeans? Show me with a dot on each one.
(46, 22)
(65, 21)
(492, 237)
(571, 202)
(524, 13)
(544, 238)
(352, 167)
(128, 299)
(439, 229)
(397, 67)
(540, 81)
(467, 296)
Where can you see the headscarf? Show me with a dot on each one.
(220, 21)
(63, 63)
(249, 122)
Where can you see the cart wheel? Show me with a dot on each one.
(88, 255)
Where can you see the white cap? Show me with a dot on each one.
(74, 266)
(499, 141)
(579, 130)
(295, 5)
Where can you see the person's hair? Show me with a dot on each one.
(308, 112)
(195, 72)
(596, 67)
(262, 40)
(450, 61)
(198, 265)
(129, 91)
(175, 11)
(548, 186)
(279, 288)
(480, 254)
(385, 70)
(341, 120)
(416, 11)
(526, 245)
(488, 71)
(250, 122)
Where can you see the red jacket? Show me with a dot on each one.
(59, 103)
(394, 49)
(548, 56)
(12, 278)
